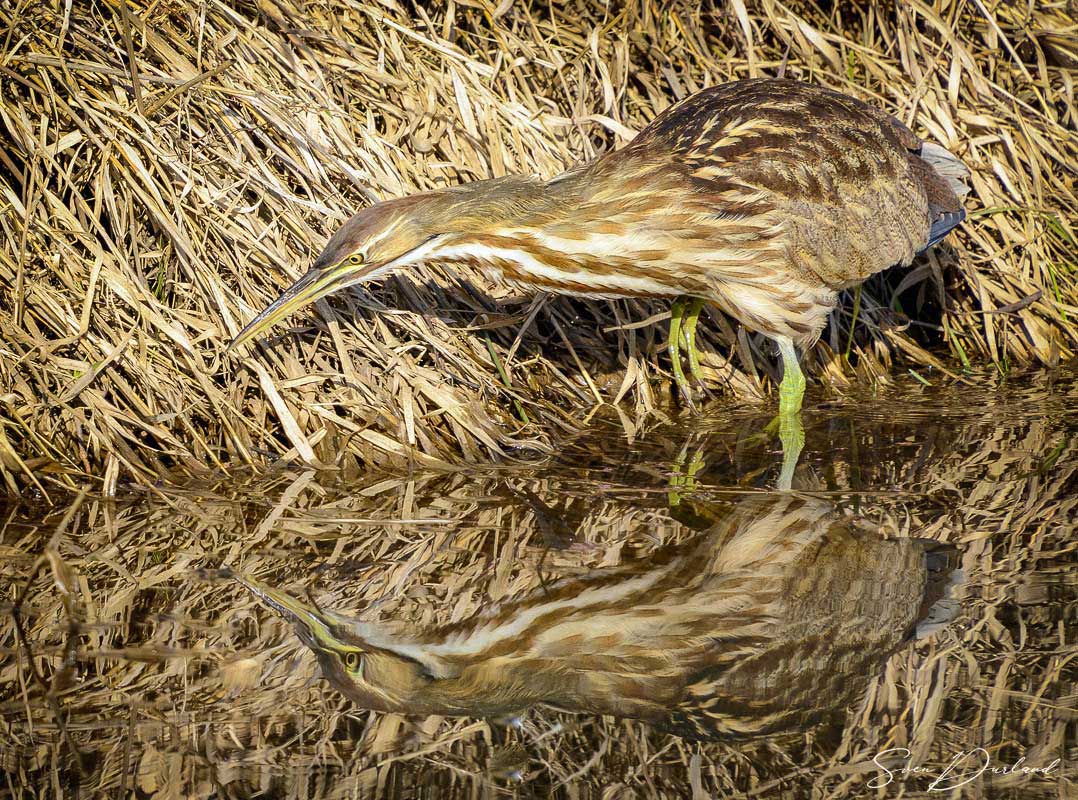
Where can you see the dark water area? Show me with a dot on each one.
(640, 615)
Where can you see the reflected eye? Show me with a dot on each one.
(351, 661)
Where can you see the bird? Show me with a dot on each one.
(773, 618)
(763, 198)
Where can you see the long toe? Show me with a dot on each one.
(694, 365)
(684, 389)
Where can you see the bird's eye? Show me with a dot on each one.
(351, 660)
(355, 259)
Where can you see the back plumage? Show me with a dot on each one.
(806, 191)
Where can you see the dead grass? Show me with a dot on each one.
(186, 688)
(170, 167)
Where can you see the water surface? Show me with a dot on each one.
(916, 593)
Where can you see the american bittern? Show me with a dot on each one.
(777, 615)
(762, 197)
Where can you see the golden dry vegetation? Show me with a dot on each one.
(169, 167)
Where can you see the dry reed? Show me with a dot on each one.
(170, 167)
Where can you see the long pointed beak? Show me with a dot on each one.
(299, 294)
(309, 622)
(314, 285)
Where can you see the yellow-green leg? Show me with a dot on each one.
(682, 477)
(792, 388)
(695, 513)
(791, 395)
(688, 328)
(677, 314)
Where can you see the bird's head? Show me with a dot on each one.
(374, 242)
(356, 657)
(401, 233)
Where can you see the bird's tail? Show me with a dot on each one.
(947, 166)
(946, 185)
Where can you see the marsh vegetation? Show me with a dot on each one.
(426, 448)
(171, 167)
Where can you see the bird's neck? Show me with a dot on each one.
(507, 203)
(573, 233)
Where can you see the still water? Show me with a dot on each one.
(643, 618)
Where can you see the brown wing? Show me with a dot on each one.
(843, 177)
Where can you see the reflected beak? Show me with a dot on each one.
(314, 285)
(309, 623)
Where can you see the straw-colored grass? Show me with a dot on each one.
(184, 687)
(168, 168)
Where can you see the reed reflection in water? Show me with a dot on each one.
(163, 681)
(777, 615)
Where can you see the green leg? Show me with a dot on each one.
(791, 430)
(690, 511)
(682, 477)
(688, 327)
(677, 313)
(792, 388)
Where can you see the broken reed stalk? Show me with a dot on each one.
(169, 168)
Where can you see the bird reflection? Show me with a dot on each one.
(775, 616)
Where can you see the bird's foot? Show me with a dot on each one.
(684, 315)
(697, 386)
(688, 328)
(684, 388)
(790, 430)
